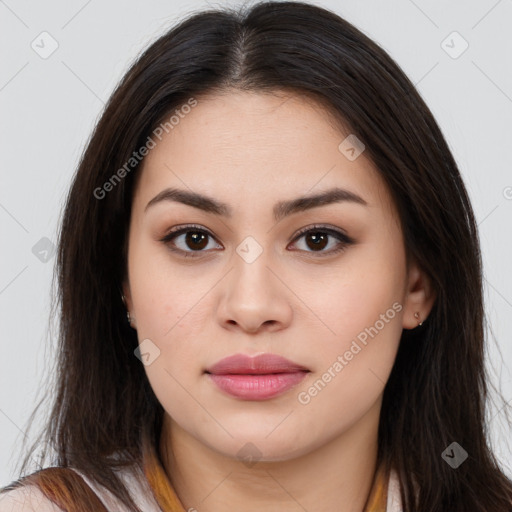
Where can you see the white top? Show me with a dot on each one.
(393, 504)
(135, 482)
(31, 499)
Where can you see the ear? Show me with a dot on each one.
(419, 297)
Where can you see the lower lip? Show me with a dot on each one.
(257, 387)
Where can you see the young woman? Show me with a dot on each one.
(270, 287)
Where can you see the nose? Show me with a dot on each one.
(253, 298)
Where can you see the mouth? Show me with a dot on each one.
(260, 377)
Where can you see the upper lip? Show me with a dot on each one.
(254, 365)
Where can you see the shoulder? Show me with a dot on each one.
(26, 498)
(134, 481)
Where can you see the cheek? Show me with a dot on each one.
(364, 286)
(360, 307)
(164, 293)
(352, 369)
(170, 314)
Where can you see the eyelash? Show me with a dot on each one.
(344, 239)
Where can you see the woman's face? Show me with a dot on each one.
(322, 283)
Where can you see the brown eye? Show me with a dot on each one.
(189, 240)
(196, 240)
(193, 241)
(318, 238)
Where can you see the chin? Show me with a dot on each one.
(255, 447)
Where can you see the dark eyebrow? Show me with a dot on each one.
(281, 209)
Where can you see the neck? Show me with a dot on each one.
(335, 476)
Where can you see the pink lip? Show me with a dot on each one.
(256, 378)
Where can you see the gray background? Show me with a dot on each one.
(49, 106)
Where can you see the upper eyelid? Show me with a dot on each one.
(300, 232)
(187, 227)
(330, 230)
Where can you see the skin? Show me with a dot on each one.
(250, 151)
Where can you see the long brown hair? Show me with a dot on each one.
(438, 388)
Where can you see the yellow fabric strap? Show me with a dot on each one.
(168, 500)
(378, 498)
(159, 482)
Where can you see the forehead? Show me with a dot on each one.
(259, 145)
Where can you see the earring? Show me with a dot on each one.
(123, 298)
(417, 315)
